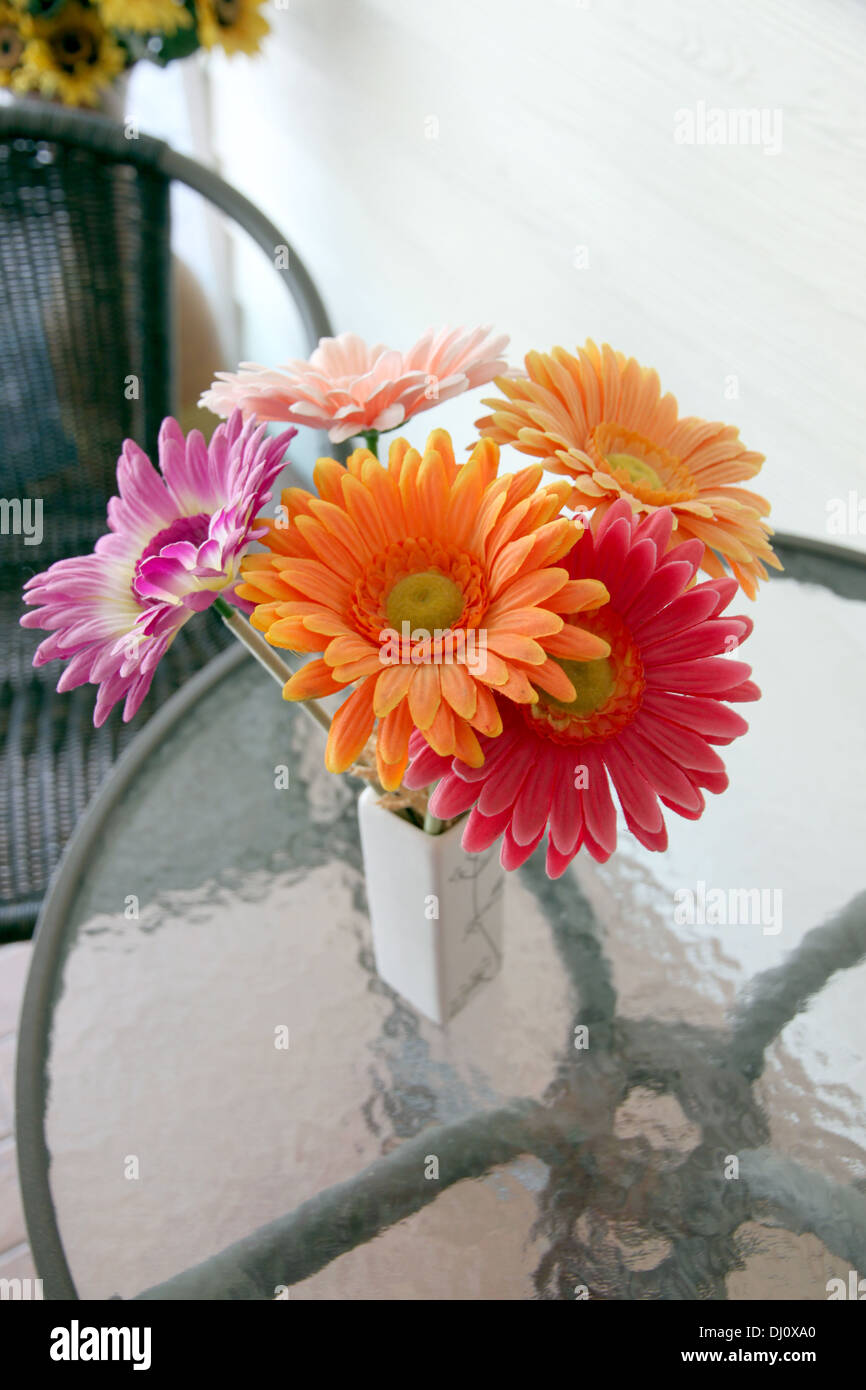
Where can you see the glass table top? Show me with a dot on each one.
(704, 1137)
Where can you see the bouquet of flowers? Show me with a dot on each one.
(72, 51)
(534, 650)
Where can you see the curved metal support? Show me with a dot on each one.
(87, 130)
(348, 1215)
(31, 1075)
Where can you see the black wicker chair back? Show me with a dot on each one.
(85, 362)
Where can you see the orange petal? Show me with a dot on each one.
(349, 648)
(517, 688)
(350, 671)
(391, 688)
(328, 477)
(552, 678)
(327, 549)
(400, 447)
(291, 635)
(425, 695)
(486, 719)
(384, 490)
(527, 622)
(312, 682)
(433, 492)
(357, 460)
(392, 745)
(577, 644)
(340, 525)
(516, 648)
(440, 440)
(318, 581)
(489, 668)
(363, 512)
(440, 734)
(458, 688)
(391, 774)
(530, 590)
(351, 726)
(579, 596)
(466, 745)
(486, 456)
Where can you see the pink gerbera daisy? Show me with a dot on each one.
(349, 388)
(175, 543)
(643, 720)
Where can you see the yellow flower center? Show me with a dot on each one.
(637, 469)
(608, 692)
(426, 600)
(642, 468)
(594, 683)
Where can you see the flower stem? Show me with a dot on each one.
(265, 655)
(371, 438)
(432, 825)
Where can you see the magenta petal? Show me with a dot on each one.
(481, 831)
(452, 797)
(666, 777)
(711, 675)
(598, 808)
(656, 840)
(636, 796)
(503, 782)
(566, 807)
(708, 639)
(199, 600)
(690, 608)
(557, 862)
(665, 585)
(702, 715)
(532, 806)
(513, 854)
(425, 765)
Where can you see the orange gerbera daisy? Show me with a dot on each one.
(427, 585)
(601, 419)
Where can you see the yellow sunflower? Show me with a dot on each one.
(15, 29)
(145, 16)
(235, 25)
(72, 58)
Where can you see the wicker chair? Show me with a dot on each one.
(85, 303)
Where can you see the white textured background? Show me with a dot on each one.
(553, 129)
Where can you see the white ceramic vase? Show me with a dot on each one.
(436, 911)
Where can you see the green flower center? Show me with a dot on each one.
(637, 469)
(427, 600)
(594, 683)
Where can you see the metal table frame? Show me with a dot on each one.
(356, 1211)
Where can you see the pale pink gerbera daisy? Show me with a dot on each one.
(642, 723)
(175, 543)
(349, 388)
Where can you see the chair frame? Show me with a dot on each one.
(89, 131)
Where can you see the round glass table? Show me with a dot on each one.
(661, 1096)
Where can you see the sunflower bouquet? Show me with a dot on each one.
(535, 649)
(73, 51)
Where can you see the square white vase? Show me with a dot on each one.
(436, 911)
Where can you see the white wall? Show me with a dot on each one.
(440, 160)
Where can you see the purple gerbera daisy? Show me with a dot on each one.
(174, 545)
